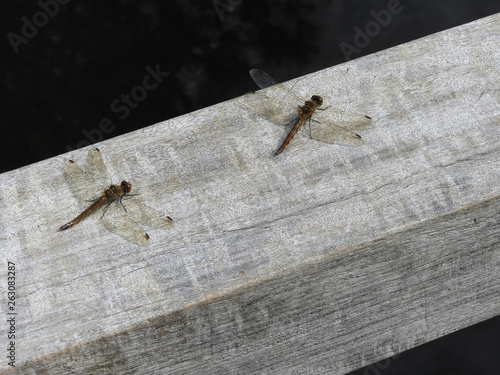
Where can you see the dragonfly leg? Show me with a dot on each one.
(309, 123)
(105, 209)
(120, 199)
(127, 196)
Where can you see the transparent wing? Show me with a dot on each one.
(281, 93)
(96, 169)
(79, 183)
(334, 126)
(335, 134)
(279, 105)
(143, 214)
(263, 80)
(346, 120)
(269, 108)
(117, 221)
(330, 125)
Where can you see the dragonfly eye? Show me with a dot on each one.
(317, 99)
(126, 186)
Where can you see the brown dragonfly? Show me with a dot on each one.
(117, 218)
(331, 125)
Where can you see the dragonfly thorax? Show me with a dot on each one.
(116, 191)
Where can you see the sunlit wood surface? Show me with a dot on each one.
(321, 260)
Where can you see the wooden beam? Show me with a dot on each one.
(323, 259)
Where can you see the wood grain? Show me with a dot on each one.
(321, 260)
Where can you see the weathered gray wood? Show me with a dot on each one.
(321, 260)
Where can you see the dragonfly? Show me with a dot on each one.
(331, 125)
(121, 219)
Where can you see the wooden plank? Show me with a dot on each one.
(321, 260)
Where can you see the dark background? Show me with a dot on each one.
(64, 78)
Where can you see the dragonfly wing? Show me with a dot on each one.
(263, 80)
(269, 108)
(143, 214)
(280, 92)
(286, 96)
(346, 120)
(79, 182)
(334, 134)
(116, 220)
(96, 169)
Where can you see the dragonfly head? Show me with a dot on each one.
(126, 187)
(318, 100)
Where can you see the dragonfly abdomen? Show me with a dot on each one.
(305, 112)
(101, 201)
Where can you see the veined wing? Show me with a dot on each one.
(115, 218)
(334, 126)
(269, 108)
(143, 214)
(281, 93)
(335, 135)
(278, 105)
(346, 120)
(117, 221)
(330, 125)
(97, 170)
(263, 80)
(79, 183)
